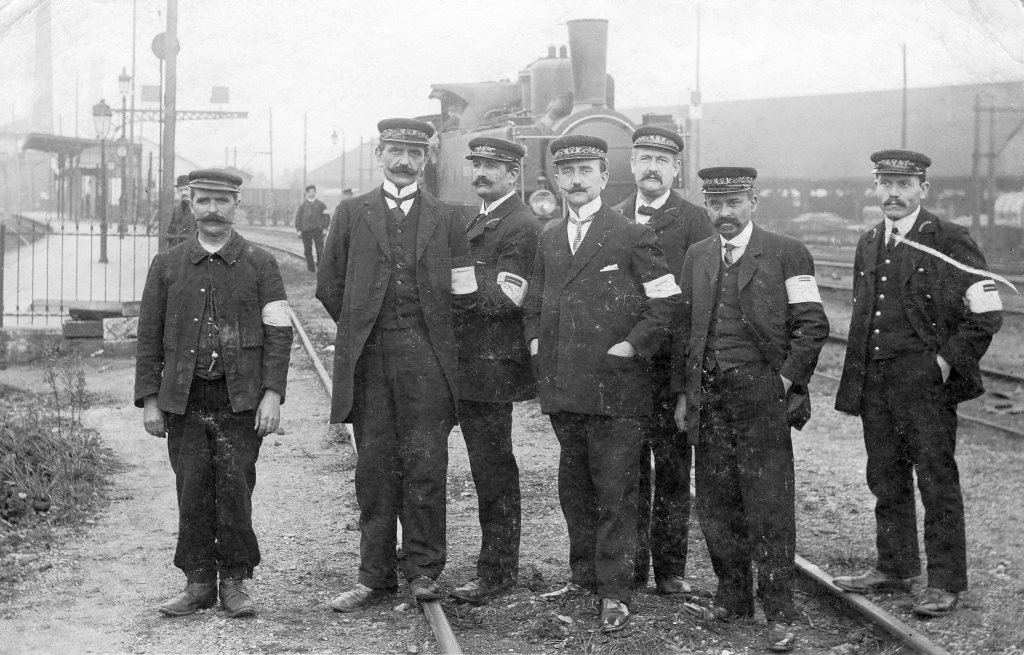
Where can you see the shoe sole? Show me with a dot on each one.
(932, 614)
(607, 629)
(472, 600)
(166, 611)
(245, 611)
(882, 587)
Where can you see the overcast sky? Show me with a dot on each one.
(347, 64)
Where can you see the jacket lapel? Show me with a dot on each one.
(590, 245)
(870, 256)
(751, 256)
(494, 219)
(710, 261)
(628, 207)
(374, 211)
(923, 232)
(430, 215)
(561, 256)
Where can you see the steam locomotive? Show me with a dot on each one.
(554, 96)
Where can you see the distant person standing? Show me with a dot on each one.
(494, 363)
(924, 313)
(600, 304)
(396, 268)
(182, 224)
(745, 350)
(663, 526)
(211, 369)
(310, 222)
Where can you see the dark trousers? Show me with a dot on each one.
(745, 495)
(309, 237)
(908, 426)
(487, 428)
(402, 412)
(663, 527)
(598, 469)
(213, 454)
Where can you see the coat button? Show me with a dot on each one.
(195, 320)
(193, 352)
(878, 313)
(927, 296)
(888, 261)
(881, 296)
(202, 291)
(920, 270)
(378, 285)
(884, 278)
(876, 330)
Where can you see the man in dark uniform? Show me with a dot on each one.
(663, 528)
(183, 222)
(396, 266)
(494, 363)
(211, 368)
(747, 346)
(310, 223)
(600, 303)
(919, 327)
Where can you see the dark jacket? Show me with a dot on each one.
(789, 334)
(353, 276)
(311, 216)
(255, 355)
(494, 363)
(182, 224)
(933, 297)
(678, 224)
(580, 306)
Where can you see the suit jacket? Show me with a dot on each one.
(789, 334)
(678, 224)
(311, 216)
(353, 276)
(580, 306)
(933, 297)
(494, 363)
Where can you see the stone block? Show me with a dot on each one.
(116, 329)
(83, 329)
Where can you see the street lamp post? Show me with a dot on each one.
(334, 140)
(101, 116)
(122, 201)
(124, 85)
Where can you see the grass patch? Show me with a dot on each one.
(53, 470)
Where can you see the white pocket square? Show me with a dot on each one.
(610, 267)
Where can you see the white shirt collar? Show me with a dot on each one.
(657, 204)
(904, 225)
(390, 187)
(485, 209)
(587, 210)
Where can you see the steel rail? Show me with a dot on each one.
(432, 609)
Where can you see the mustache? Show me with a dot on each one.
(212, 217)
(481, 181)
(576, 188)
(402, 168)
(651, 175)
(894, 203)
(726, 220)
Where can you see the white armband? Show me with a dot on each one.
(513, 286)
(463, 280)
(982, 297)
(662, 287)
(276, 314)
(802, 288)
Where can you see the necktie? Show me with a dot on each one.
(728, 259)
(891, 243)
(476, 219)
(398, 201)
(579, 223)
(646, 210)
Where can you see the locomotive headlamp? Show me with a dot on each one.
(543, 203)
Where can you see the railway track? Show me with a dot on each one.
(822, 582)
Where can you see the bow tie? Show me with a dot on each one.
(646, 210)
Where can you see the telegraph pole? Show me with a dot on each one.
(170, 115)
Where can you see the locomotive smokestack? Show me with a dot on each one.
(588, 43)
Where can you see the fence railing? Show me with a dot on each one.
(47, 266)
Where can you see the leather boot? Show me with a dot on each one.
(196, 596)
(234, 599)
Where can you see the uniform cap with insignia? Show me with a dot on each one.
(214, 179)
(484, 147)
(652, 136)
(405, 130)
(182, 181)
(579, 146)
(727, 179)
(900, 162)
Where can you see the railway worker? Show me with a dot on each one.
(494, 363)
(212, 364)
(396, 267)
(923, 316)
(600, 304)
(744, 352)
(663, 528)
(310, 222)
(182, 223)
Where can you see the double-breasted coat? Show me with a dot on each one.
(936, 301)
(353, 275)
(494, 363)
(789, 334)
(580, 306)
